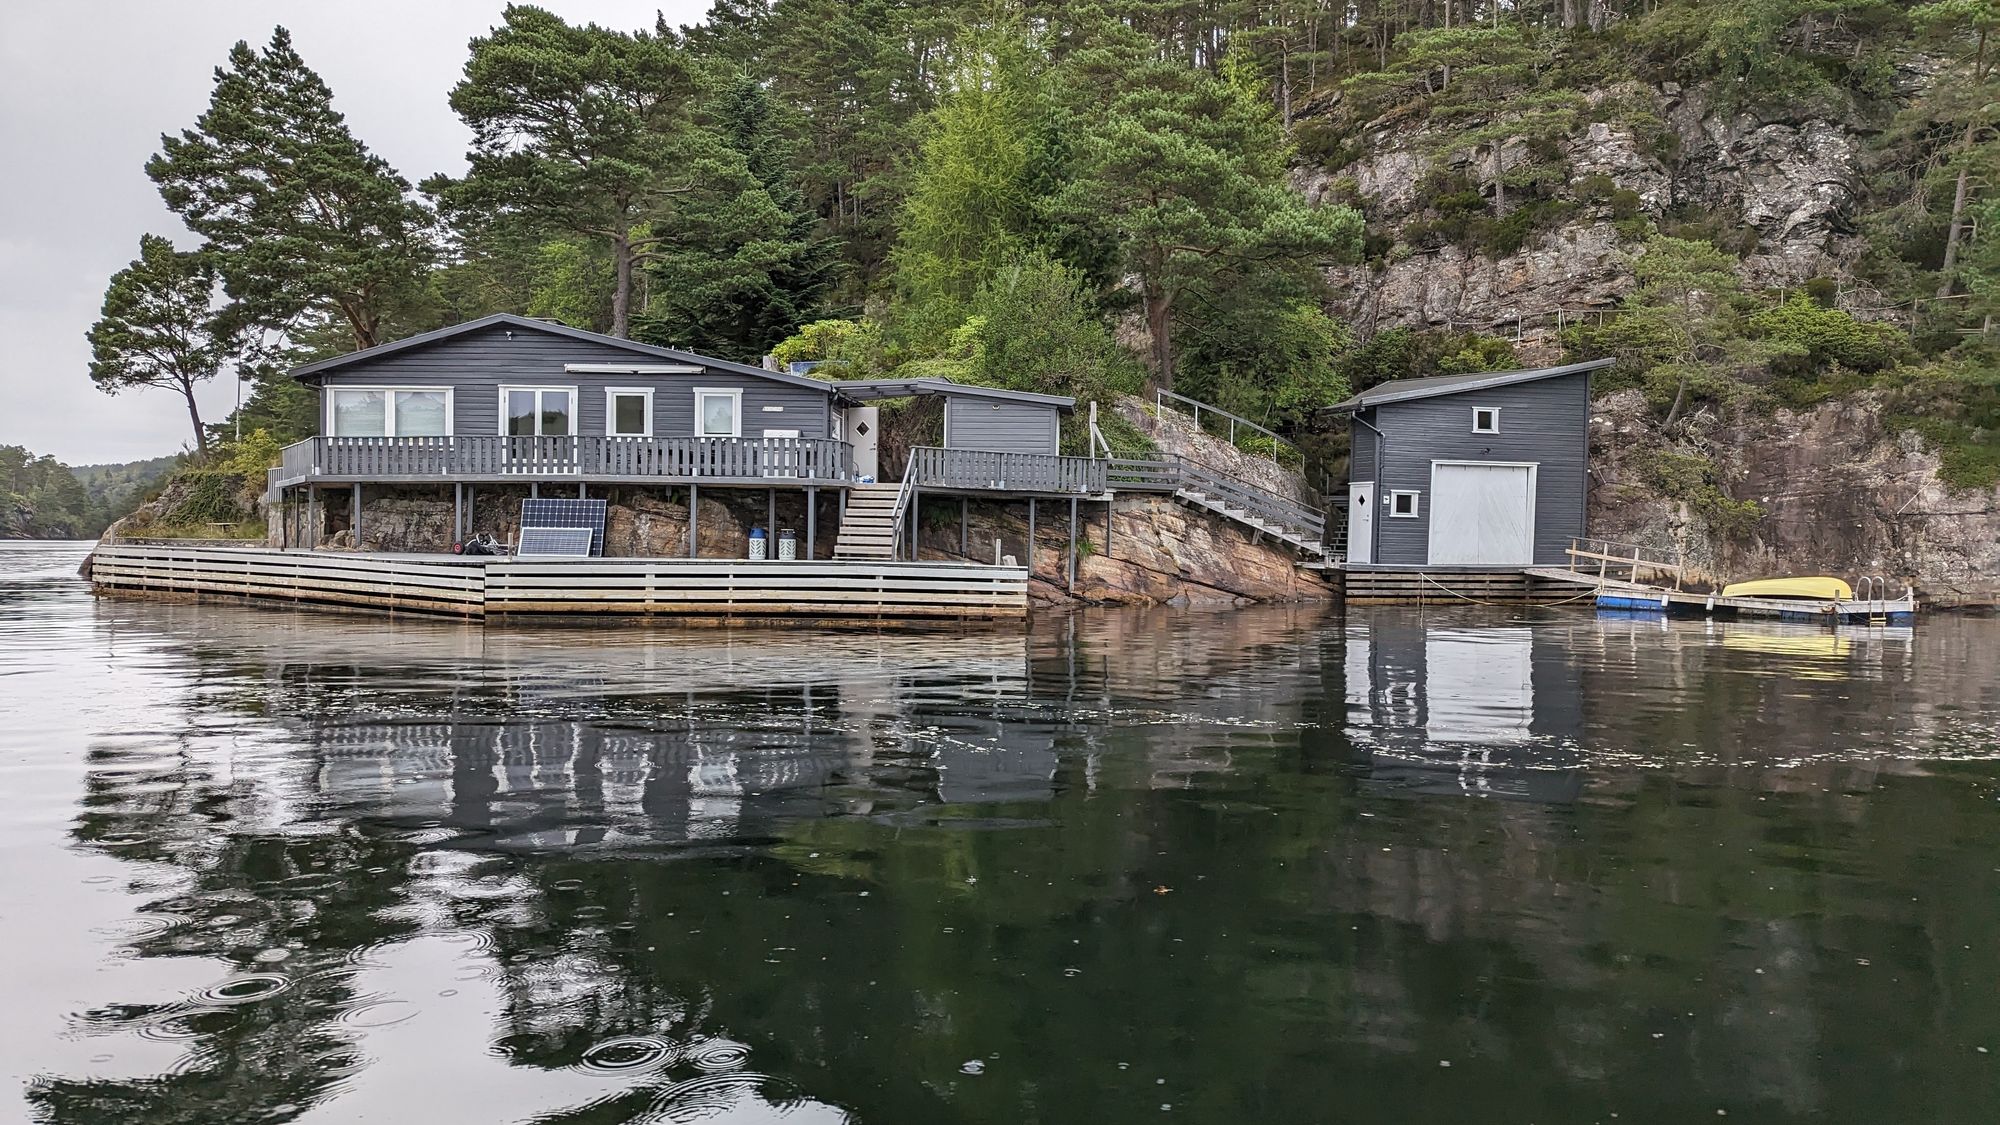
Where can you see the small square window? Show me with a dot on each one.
(1403, 504)
(629, 414)
(1485, 419)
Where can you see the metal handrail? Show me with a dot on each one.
(903, 492)
(1172, 473)
(1235, 420)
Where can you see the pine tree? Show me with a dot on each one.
(580, 130)
(300, 216)
(162, 327)
(1187, 172)
(743, 265)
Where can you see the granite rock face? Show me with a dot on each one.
(1158, 552)
(1842, 494)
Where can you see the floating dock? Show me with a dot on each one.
(594, 589)
(1633, 597)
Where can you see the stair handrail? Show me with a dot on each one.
(1307, 522)
(902, 506)
(1161, 396)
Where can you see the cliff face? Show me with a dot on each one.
(1792, 180)
(1841, 491)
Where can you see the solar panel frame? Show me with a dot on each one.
(554, 512)
(554, 543)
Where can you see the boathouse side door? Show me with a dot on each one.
(1361, 522)
(863, 422)
(1482, 513)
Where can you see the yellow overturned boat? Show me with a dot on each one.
(1820, 589)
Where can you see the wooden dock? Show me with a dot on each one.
(476, 588)
(1634, 597)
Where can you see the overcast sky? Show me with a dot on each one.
(86, 89)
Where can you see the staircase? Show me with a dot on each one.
(1285, 520)
(868, 527)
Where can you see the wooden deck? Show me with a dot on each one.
(486, 458)
(1616, 594)
(579, 589)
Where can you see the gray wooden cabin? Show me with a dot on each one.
(511, 400)
(1486, 470)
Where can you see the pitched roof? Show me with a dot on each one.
(509, 320)
(1404, 390)
(938, 385)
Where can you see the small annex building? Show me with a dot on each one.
(1488, 470)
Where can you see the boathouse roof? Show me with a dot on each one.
(555, 328)
(1404, 390)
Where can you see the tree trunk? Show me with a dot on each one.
(1674, 411)
(621, 291)
(1954, 233)
(194, 418)
(1159, 326)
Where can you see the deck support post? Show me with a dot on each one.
(534, 490)
(771, 519)
(458, 513)
(1031, 537)
(812, 520)
(1108, 505)
(471, 499)
(694, 534)
(1070, 565)
(582, 491)
(916, 505)
(964, 540)
(354, 514)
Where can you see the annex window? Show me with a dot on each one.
(628, 412)
(391, 412)
(1485, 419)
(718, 412)
(1403, 504)
(538, 411)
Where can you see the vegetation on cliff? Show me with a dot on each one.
(1074, 197)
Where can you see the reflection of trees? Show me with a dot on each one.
(1154, 840)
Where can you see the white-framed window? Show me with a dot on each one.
(628, 411)
(1485, 419)
(388, 411)
(718, 412)
(1403, 505)
(538, 411)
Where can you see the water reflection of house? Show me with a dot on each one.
(1478, 711)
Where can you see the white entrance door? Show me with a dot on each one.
(1482, 514)
(862, 424)
(1361, 522)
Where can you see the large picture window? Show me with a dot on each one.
(718, 413)
(391, 412)
(538, 411)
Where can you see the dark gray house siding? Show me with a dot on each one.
(1000, 427)
(477, 364)
(1545, 422)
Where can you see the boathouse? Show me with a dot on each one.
(1485, 471)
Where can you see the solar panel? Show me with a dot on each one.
(567, 513)
(554, 542)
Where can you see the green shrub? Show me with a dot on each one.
(1811, 338)
(1693, 479)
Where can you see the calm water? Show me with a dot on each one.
(1270, 866)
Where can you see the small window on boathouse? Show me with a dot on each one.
(1403, 504)
(1485, 419)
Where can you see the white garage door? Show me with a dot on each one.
(1482, 514)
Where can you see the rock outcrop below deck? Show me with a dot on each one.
(1160, 553)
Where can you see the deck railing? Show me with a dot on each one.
(1166, 472)
(594, 456)
(973, 469)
